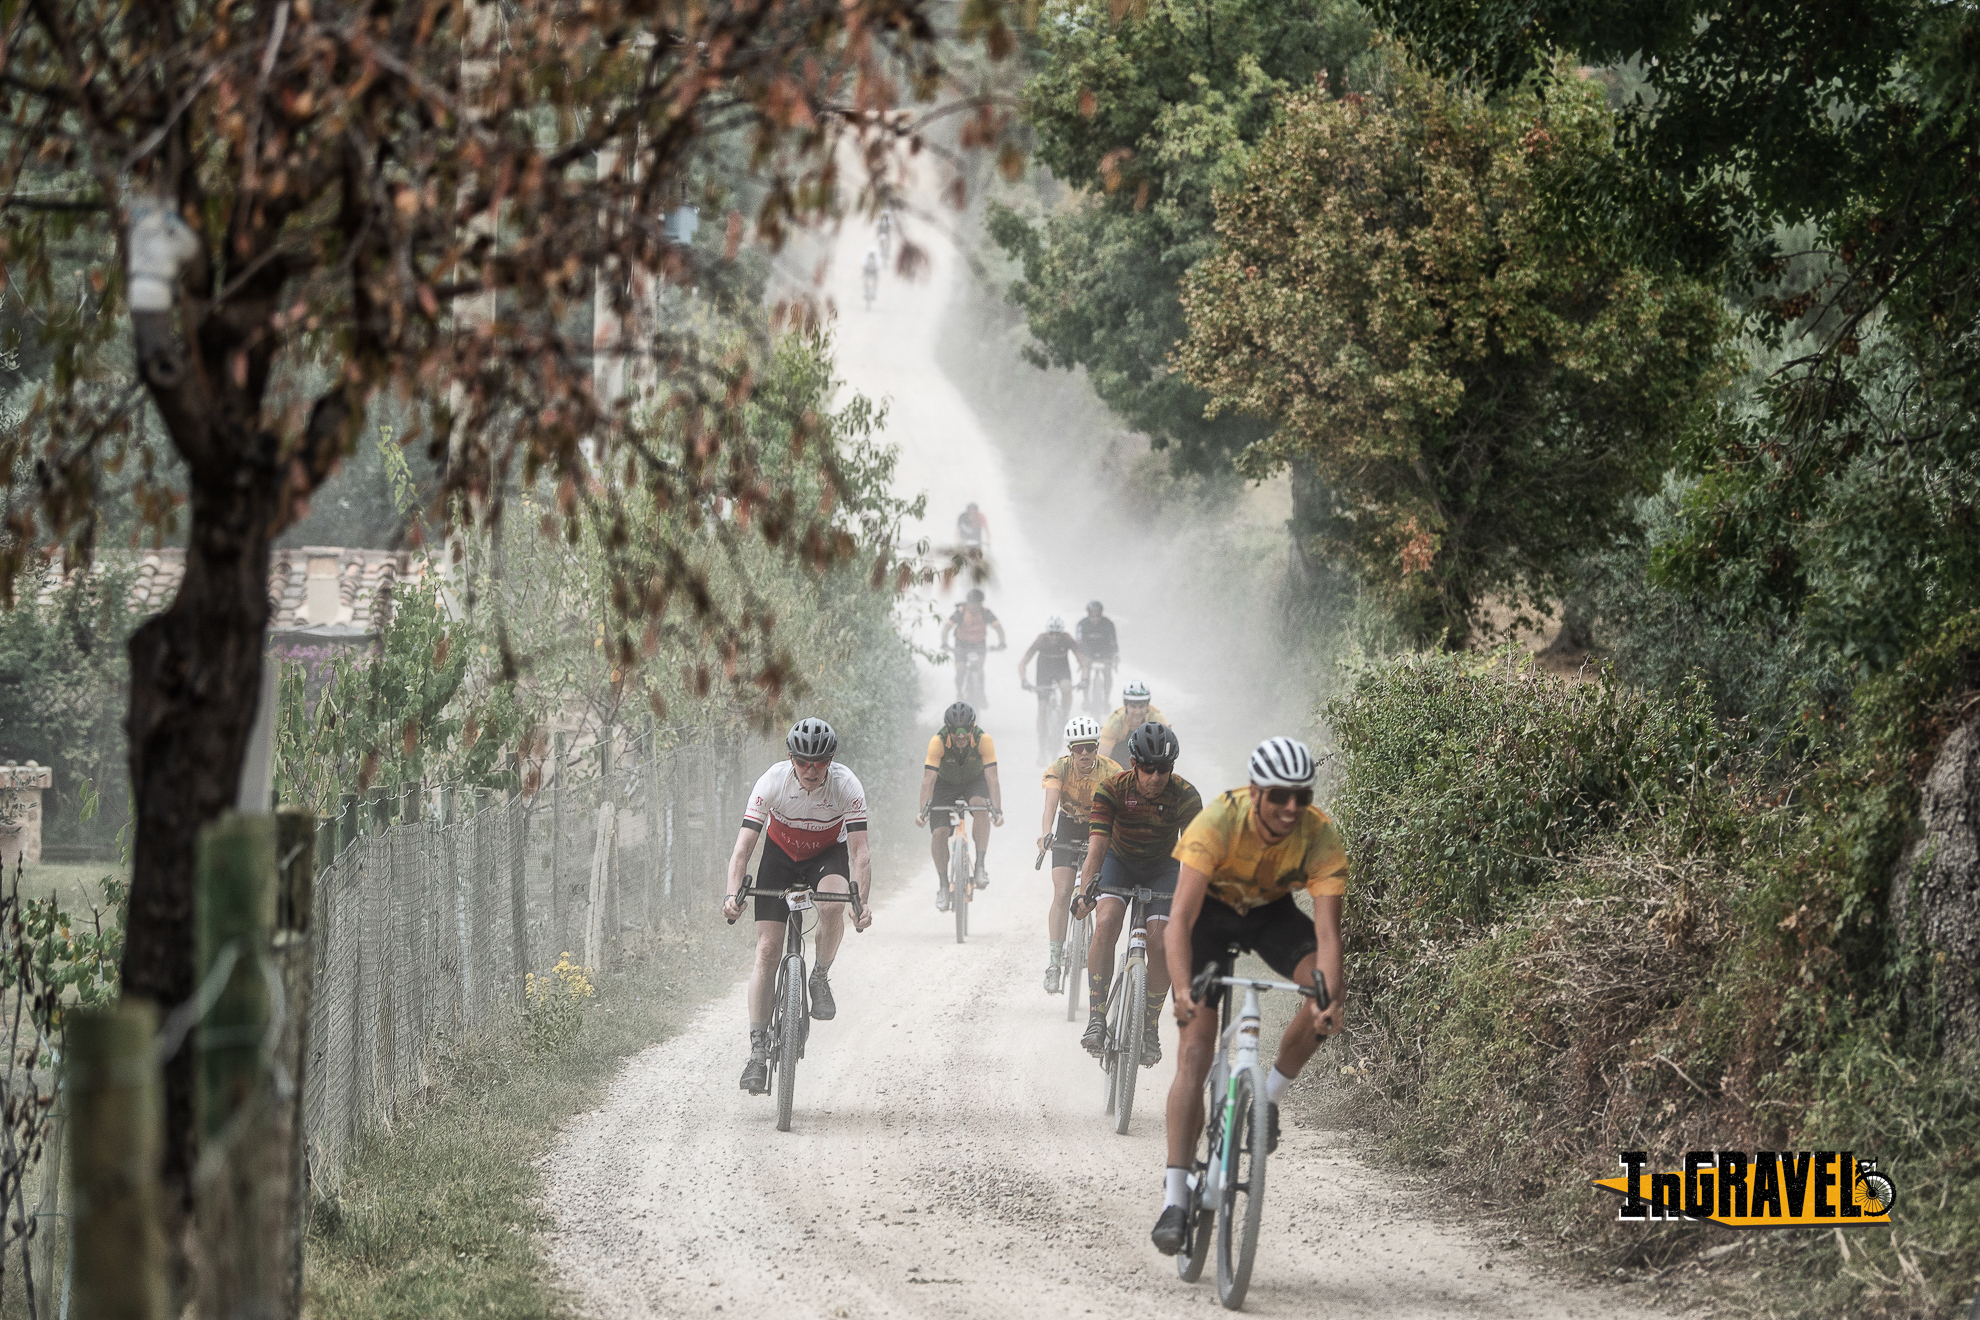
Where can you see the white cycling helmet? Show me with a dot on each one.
(1082, 728)
(1135, 691)
(1282, 763)
(1055, 624)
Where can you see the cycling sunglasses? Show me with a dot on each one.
(1158, 767)
(802, 761)
(1278, 797)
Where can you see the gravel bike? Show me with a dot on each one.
(1097, 688)
(789, 1003)
(1127, 1007)
(1079, 935)
(969, 674)
(1227, 1185)
(1054, 706)
(962, 880)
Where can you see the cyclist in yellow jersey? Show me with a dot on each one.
(1134, 711)
(1242, 857)
(961, 766)
(1069, 784)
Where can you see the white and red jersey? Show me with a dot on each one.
(806, 824)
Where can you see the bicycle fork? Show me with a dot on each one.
(1244, 1035)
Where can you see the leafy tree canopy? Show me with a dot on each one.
(1147, 114)
(1479, 390)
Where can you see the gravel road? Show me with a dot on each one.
(949, 1155)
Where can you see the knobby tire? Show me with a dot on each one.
(1076, 943)
(1110, 1057)
(959, 884)
(791, 1038)
(1242, 1201)
(1128, 1068)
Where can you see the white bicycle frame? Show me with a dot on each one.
(1218, 1090)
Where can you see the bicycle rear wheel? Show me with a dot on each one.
(1241, 1202)
(1077, 938)
(1128, 1066)
(790, 1037)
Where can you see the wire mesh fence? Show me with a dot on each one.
(433, 905)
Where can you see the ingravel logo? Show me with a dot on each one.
(1768, 1189)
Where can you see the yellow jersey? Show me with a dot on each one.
(1115, 729)
(1075, 789)
(1245, 873)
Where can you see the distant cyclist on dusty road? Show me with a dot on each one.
(811, 814)
(1069, 784)
(1134, 711)
(961, 766)
(1136, 819)
(1241, 860)
(1056, 650)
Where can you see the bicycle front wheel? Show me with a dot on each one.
(1241, 1201)
(1127, 1065)
(959, 886)
(1076, 941)
(790, 1038)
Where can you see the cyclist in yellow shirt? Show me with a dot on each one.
(1069, 784)
(1242, 857)
(961, 766)
(1134, 711)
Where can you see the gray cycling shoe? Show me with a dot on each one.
(823, 1006)
(1052, 975)
(942, 897)
(982, 878)
(1171, 1230)
(1151, 1043)
(756, 1073)
(1095, 1039)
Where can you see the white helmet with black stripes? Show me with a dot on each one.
(1282, 763)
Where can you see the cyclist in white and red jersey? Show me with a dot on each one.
(811, 813)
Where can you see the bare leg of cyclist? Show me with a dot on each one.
(1100, 955)
(938, 852)
(831, 921)
(1195, 1048)
(980, 829)
(1059, 918)
(1297, 1044)
(763, 976)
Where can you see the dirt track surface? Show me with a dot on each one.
(949, 1155)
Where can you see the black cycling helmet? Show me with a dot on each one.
(1153, 746)
(961, 715)
(976, 596)
(811, 740)
(1095, 607)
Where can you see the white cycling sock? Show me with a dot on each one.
(1058, 951)
(1276, 1083)
(1175, 1187)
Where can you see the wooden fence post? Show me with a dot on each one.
(295, 905)
(116, 1120)
(239, 1184)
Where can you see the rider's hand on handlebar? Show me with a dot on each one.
(1185, 1004)
(864, 919)
(997, 817)
(731, 907)
(921, 820)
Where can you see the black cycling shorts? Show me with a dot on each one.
(1065, 842)
(1281, 933)
(779, 871)
(1118, 873)
(944, 805)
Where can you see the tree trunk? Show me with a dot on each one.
(195, 672)
(1935, 896)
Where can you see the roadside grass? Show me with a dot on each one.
(440, 1217)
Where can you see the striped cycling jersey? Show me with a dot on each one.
(1142, 828)
(802, 823)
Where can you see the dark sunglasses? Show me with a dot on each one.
(1278, 797)
(1155, 767)
(811, 764)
